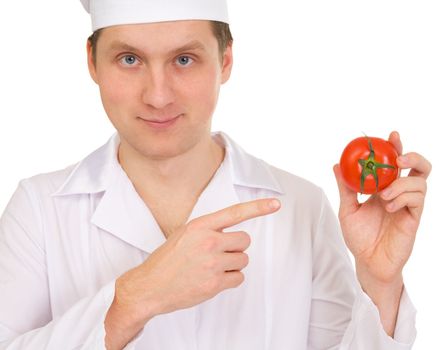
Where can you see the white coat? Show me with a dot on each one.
(66, 236)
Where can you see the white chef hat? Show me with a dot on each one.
(105, 13)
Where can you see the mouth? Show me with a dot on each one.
(161, 123)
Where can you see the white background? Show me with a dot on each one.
(308, 77)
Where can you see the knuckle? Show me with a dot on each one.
(193, 225)
(245, 260)
(210, 243)
(429, 167)
(261, 206)
(414, 156)
(211, 286)
(419, 184)
(246, 238)
(236, 213)
(239, 279)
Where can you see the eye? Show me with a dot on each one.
(184, 60)
(128, 60)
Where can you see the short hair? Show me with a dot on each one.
(220, 30)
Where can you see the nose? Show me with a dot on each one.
(158, 91)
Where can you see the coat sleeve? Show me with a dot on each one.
(25, 311)
(342, 315)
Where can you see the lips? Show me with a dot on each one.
(161, 124)
(160, 121)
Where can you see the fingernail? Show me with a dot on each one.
(403, 159)
(274, 204)
(386, 193)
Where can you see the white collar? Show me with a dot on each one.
(95, 172)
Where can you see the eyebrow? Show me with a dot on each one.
(192, 45)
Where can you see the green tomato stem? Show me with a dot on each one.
(369, 167)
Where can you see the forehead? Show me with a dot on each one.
(160, 33)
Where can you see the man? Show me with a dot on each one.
(145, 243)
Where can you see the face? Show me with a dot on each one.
(159, 84)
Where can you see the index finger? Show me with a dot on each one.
(237, 213)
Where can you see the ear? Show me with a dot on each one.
(90, 63)
(227, 63)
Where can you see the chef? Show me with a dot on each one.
(171, 236)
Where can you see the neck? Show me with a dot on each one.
(186, 173)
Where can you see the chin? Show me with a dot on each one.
(169, 147)
(159, 146)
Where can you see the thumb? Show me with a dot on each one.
(348, 199)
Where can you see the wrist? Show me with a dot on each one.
(125, 319)
(379, 285)
(121, 326)
(385, 294)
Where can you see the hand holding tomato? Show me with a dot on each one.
(381, 232)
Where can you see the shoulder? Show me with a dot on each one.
(90, 175)
(49, 182)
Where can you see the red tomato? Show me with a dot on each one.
(368, 164)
